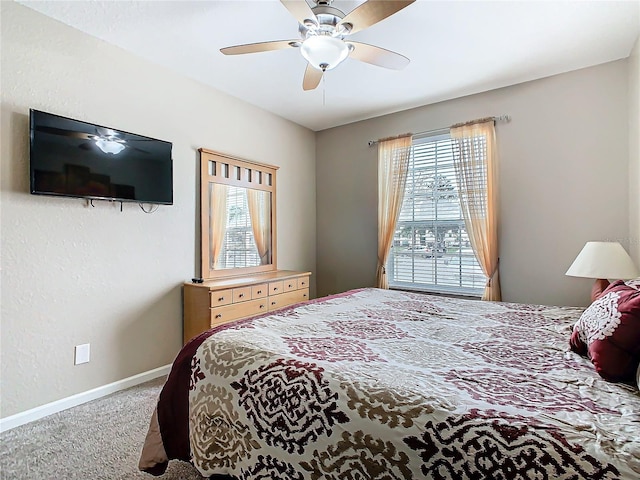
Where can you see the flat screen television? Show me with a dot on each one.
(72, 158)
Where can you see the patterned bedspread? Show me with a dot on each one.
(379, 384)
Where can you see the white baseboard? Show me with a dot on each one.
(36, 413)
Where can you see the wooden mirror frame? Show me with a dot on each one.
(253, 175)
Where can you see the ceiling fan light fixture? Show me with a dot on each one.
(324, 52)
(109, 146)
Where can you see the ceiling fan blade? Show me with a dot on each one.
(301, 10)
(259, 47)
(372, 12)
(138, 149)
(312, 77)
(65, 133)
(378, 56)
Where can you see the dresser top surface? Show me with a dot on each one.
(244, 280)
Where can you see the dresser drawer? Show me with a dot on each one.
(289, 298)
(290, 285)
(303, 282)
(276, 288)
(237, 310)
(221, 297)
(260, 291)
(241, 294)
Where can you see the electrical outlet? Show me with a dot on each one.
(83, 352)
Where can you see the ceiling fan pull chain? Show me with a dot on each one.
(324, 90)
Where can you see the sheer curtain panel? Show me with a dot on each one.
(476, 171)
(218, 220)
(259, 212)
(393, 164)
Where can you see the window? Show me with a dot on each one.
(431, 249)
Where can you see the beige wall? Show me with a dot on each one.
(72, 274)
(634, 153)
(563, 176)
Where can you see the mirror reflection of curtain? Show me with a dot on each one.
(259, 212)
(217, 220)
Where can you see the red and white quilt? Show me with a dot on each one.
(380, 384)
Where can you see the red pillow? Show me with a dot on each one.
(609, 333)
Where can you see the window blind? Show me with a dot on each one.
(431, 249)
(238, 249)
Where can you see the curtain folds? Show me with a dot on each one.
(259, 212)
(476, 171)
(393, 164)
(217, 220)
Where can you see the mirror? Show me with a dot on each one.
(237, 201)
(242, 237)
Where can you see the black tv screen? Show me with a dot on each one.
(77, 159)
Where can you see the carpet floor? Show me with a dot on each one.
(100, 439)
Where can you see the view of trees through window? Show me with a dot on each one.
(431, 248)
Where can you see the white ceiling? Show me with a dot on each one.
(456, 48)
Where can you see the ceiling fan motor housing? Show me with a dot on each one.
(328, 19)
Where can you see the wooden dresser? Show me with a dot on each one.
(222, 300)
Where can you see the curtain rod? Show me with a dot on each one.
(501, 118)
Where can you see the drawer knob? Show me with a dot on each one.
(304, 295)
(273, 303)
(262, 306)
(241, 295)
(275, 289)
(290, 286)
(221, 299)
(259, 292)
(219, 315)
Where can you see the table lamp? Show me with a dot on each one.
(603, 260)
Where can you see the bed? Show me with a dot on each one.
(381, 384)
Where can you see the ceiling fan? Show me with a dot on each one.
(106, 139)
(323, 31)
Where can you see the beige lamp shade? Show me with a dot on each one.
(605, 260)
